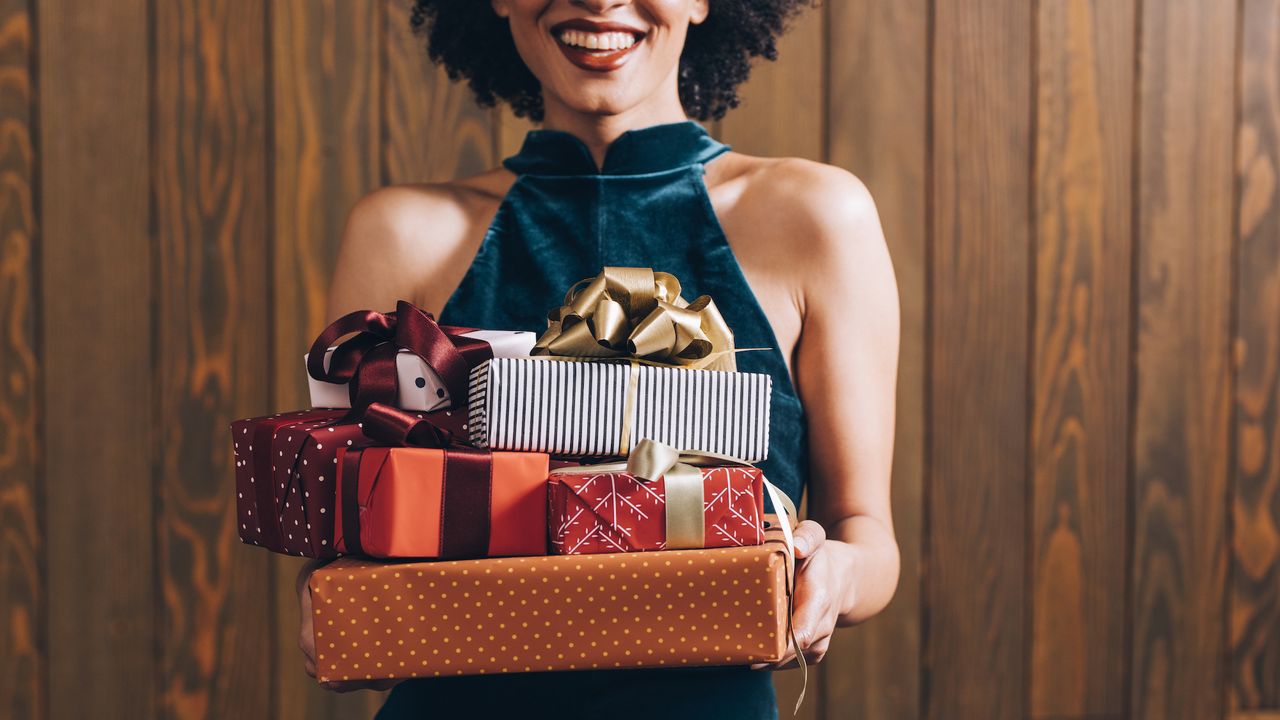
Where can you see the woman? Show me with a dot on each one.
(791, 250)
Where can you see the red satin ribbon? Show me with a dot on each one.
(367, 362)
(466, 486)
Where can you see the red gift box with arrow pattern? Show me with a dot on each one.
(610, 512)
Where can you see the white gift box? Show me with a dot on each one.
(579, 408)
(420, 388)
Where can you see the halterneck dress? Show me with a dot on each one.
(562, 220)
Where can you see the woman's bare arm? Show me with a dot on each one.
(403, 243)
(398, 243)
(845, 365)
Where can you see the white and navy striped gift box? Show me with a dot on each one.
(576, 408)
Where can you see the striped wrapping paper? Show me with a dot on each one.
(576, 408)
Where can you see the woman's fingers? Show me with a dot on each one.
(813, 654)
(813, 616)
(307, 640)
(817, 651)
(809, 537)
(346, 686)
(306, 629)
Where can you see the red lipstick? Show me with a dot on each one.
(589, 59)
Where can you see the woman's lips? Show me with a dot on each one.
(595, 60)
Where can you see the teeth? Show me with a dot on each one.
(598, 41)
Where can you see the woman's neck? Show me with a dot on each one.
(598, 131)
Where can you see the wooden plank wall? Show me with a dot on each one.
(1082, 200)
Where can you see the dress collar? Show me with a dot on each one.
(654, 149)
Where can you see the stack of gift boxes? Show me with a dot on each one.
(491, 501)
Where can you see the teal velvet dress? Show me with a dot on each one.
(563, 220)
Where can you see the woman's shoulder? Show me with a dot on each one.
(821, 209)
(401, 210)
(411, 240)
(801, 194)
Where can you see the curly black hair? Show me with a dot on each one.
(473, 43)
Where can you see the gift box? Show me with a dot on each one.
(603, 408)
(434, 503)
(618, 511)
(418, 386)
(286, 476)
(726, 606)
(367, 362)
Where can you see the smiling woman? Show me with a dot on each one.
(476, 43)
(618, 175)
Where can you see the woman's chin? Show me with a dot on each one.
(599, 104)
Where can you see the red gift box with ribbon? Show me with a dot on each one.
(286, 464)
(419, 495)
(657, 500)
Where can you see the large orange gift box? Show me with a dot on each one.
(723, 606)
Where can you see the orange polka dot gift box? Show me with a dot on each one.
(377, 620)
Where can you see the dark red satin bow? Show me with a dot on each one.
(367, 362)
(466, 487)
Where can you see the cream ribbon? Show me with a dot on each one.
(651, 460)
(638, 313)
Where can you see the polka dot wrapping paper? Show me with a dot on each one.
(286, 479)
(287, 474)
(618, 512)
(680, 608)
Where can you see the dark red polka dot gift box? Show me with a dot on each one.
(287, 475)
(286, 479)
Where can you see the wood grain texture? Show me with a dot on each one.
(782, 103)
(212, 260)
(782, 116)
(1255, 589)
(876, 129)
(96, 303)
(325, 103)
(195, 161)
(22, 592)
(975, 589)
(432, 129)
(1080, 370)
(1183, 406)
(324, 59)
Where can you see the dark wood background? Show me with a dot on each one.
(1083, 203)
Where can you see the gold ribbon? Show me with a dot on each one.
(638, 313)
(685, 520)
(651, 460)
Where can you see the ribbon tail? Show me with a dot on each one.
(784, 507)
(804, 667)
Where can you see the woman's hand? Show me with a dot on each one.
(821, 593)
(307, 638)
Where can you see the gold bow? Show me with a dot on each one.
(638, 313)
